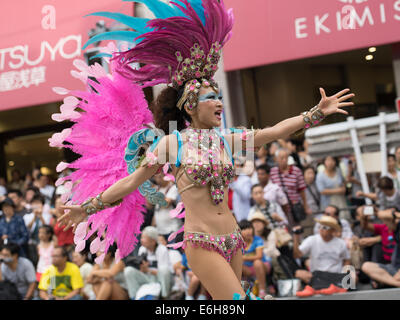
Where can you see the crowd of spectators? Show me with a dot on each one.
(301, 218)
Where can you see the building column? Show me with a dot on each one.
(396, 66)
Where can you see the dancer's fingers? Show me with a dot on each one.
(340, 93)
(69, 225)
(323, 94)
(347, 96)
(346, 104)
(342, 111)
(62, 218)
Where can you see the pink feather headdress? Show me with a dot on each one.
(179, 48)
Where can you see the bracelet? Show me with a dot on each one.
(312, 117)
(90, 208)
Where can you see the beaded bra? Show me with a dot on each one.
(203, 166)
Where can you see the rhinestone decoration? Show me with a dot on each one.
(198, 65)
(209, 169)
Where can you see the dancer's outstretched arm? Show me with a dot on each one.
(328, 105)
(122, 187)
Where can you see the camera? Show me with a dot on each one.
(298, 231)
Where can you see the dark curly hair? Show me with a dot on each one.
(165, 110)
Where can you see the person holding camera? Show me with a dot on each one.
(17, 270)
(326, 251)
(388, 197)
(152, 267)
(386, 274)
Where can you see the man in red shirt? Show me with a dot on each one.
(290, 178)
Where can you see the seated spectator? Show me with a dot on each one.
(64, 238)
(176, 267)
(255, 263)
(161, 219)
(270, 251)
(388, 196)
(174, 256)
(17, 197)
(345, 231)
(367, 239)
(18, 270)
(62, 280)
(80, 259)
(154, 269)
(387, 274)
(12, 227)
(268, 209)
(33, 221)
(44, 249)
(327, 252)
(272, 192)
(261, 229)
(108, 278)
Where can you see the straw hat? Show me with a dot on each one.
(329, 222)
(258, 216)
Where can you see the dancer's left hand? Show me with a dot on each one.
(333, 104)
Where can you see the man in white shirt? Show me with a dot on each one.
(154, 269)
(333, 211)
(326, 251)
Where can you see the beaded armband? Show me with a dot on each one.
(90, 208)
(312, 117)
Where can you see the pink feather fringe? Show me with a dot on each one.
(100, 135)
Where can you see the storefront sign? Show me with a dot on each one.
(39, 40)
(270, 31)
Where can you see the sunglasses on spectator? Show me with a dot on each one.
(325, 228)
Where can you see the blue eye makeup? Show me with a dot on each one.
(210, 96)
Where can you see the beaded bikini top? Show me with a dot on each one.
(203, 164)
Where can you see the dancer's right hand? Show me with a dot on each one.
(73, 217)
